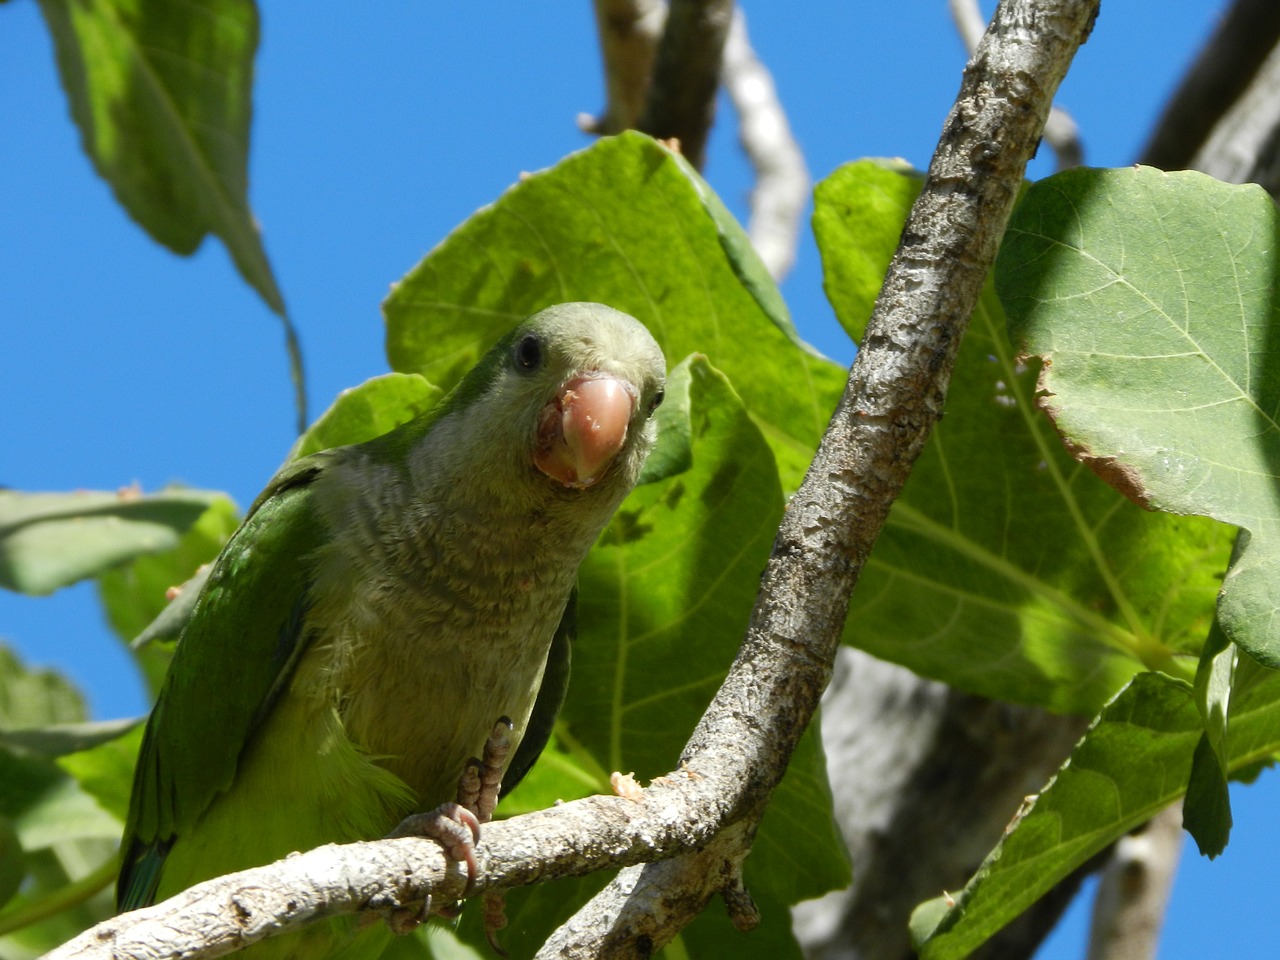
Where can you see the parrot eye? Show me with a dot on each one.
(656, 402)
(528, 352)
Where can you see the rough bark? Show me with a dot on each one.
(1060, 130)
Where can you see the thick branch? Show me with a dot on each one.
(682, 94)
(381, 877)
(1245, 145)
(1225, 68)
(925, 780)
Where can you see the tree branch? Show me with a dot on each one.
(1130, 904)
(1060, 130)
(1224, 69)
(686, 75)
(739, 751)
(782, 182)
(1244, 147)
(895, 394)
(629, 31)
(925, 779)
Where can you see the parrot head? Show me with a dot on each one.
(571, 391)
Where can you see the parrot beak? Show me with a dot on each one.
(582, 429)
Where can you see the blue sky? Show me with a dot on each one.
(374, 135)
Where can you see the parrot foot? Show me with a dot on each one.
(452, 826)
(481, 780)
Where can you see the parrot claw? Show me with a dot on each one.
(452, 826)
(495, 918)
(456, 827)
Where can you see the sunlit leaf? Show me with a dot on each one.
(1006, 568)
(51, 540)
(161, 93)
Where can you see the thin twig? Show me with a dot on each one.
(629, 32)
(782, 182)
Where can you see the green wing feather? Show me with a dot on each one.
(237, 652)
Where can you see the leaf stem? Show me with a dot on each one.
(64, 898)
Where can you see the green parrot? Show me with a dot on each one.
(382, 606)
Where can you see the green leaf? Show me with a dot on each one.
(51, 540)
(1207, 809)
(105, 771)
(858, 213)
(607, 224)
(1006, 568)
(361, 413)
(151, 596)
(61, 739)
(12, 861)
(135, 594)
(161, 94)
(1152, 296)
(57, 839)
(33, 697)
(1133, 762)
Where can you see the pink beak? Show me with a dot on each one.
(582, 429)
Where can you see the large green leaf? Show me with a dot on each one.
(1006, 567)
(1163, 372)
(1153, 297)
(629, 223)
(1133, 762)
(51, 540)
(161, 94)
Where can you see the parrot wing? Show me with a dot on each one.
(236, 655)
